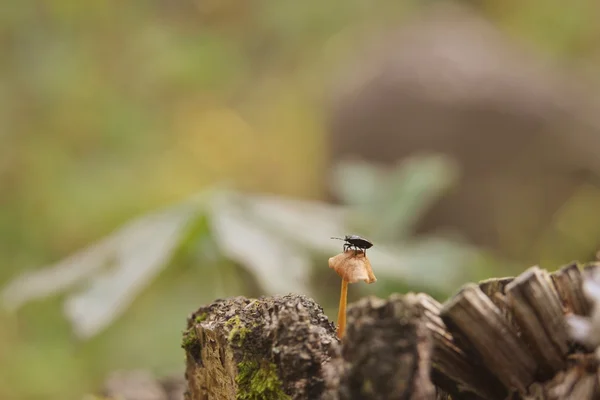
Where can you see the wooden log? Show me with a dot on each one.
(538, 311)
(386, 353)
(453, 369)
(568, 281)
(474, 317)
(501, 339)
(495, 289)
(267, 348)
(495, 285)
(578, 381)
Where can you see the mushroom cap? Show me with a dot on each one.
(353, 266)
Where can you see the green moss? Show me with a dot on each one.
(189, 338)
(191, 344)
(259, 382)
(200, 318)
(237, 330)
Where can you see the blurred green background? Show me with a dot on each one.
(110, 110)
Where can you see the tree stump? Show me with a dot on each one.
(267, 348)
(506, 338)
(386, 353)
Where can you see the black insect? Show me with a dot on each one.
(355, 242)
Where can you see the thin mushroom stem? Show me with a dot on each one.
(342, 310)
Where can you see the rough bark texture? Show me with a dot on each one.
(515, 330)
(568, 281)
(386, 353)
(501, 339)
(267, 348)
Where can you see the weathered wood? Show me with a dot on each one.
(453, 369)
(578, 381)
(502, 339)
(386, 353)
(472, 315)
(267, 348)
(538, 311)
(495, 285)
(495, 289)
(568, 281)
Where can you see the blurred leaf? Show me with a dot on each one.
(115, 270)
(358, 184)
(272, 237)
(277, 265)
(393, 200)
(435, 262)
(410, 191)
(140, 254)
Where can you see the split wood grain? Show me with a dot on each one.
(568, 282)
(472, 314)
(453, 369)
(538, 311)
(495, 289)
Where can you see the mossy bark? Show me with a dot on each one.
(267, 348)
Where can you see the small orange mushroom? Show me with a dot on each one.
(352, 266)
